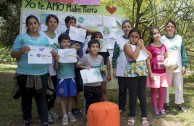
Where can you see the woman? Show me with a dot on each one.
(176, 51)
(31, 78)
(52, 22)
(119, 62)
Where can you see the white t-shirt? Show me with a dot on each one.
(53, 43)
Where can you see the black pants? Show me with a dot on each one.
(137, 88)
(51, 98)
(92, 95)
(122, 92)
(78, 80)
(40, 99)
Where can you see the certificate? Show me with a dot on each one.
(77, 34)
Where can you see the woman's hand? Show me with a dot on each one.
(24, 49)
(152, 77)
(183, 70)
(114, 73)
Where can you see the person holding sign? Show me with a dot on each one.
(135, 73)
(66, 87)
(176, 52)
(157, 79)
(105, 55)
(119, 62)
(92, 91)
(71, 21)
(31, 78)
(52, 22)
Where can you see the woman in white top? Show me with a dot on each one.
(52, 22)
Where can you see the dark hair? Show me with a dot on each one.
(93, 41)
(170, 21)
(135, 30)
(126, 21)
(27, 21)
(152, 34)
(53, 16)
(68, 18)
(94, 34)
(62, 37)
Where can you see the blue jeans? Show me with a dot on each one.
(40, 99)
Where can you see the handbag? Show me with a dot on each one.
(16, 92)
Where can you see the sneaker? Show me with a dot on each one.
(27, 123)
(181, 108)
(167, 108)
(162, 111)
(50, 120)
(156, 112)
(77, 113)
(65, 120)
(71, 117)
(54, 115)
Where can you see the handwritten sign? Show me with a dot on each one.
(91, 76)
(77, 34)
(85, 2)
(67, 55)
(39, 55)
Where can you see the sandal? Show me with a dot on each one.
(131, 121)
(145, 122)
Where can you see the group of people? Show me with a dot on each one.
(133, 75)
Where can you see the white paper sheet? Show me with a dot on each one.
(39, 55)
(109, 21)
(61, 29)
(110, 43)
(61, 17)
(67, 55)
(91, 76)
(89, 20)
(102, 45)
(26, 13)
(77, 34)
(142, 54)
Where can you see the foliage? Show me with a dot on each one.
(5, 57)
(9, 21)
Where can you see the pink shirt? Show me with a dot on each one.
(157, 61)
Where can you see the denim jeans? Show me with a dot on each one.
(40, 99)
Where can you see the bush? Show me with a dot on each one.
(5, 57)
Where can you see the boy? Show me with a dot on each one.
(92, 91)
(71, 21)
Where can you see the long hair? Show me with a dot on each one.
(151, 40)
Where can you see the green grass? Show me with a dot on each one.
(11, 115)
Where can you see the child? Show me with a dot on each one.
(136, 72)
(71, 21)
(31, 78)
(66, 87)
(105, 55)
(157, 72)
(176, 50)
(92, 91)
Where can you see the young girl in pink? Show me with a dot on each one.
(157, 79)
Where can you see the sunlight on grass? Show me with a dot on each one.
(7, 68)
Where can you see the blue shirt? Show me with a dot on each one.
(79, 52)
(22, 66)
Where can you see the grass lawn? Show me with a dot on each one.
(10, 109)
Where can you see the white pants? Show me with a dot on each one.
(177, 81)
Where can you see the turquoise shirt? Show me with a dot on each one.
(66, 70)
(22, 66)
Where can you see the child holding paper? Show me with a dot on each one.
(157, 79)
(71, 21)
(66, 87)
(92, 91)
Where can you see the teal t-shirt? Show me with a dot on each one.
(22, 65)
(66, 70)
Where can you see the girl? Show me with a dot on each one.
(176, 51)
(157, 79)
(28, 74)
(136, 72)
(52, 22)
(66, 87)
(105, 55)
(119, 62)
